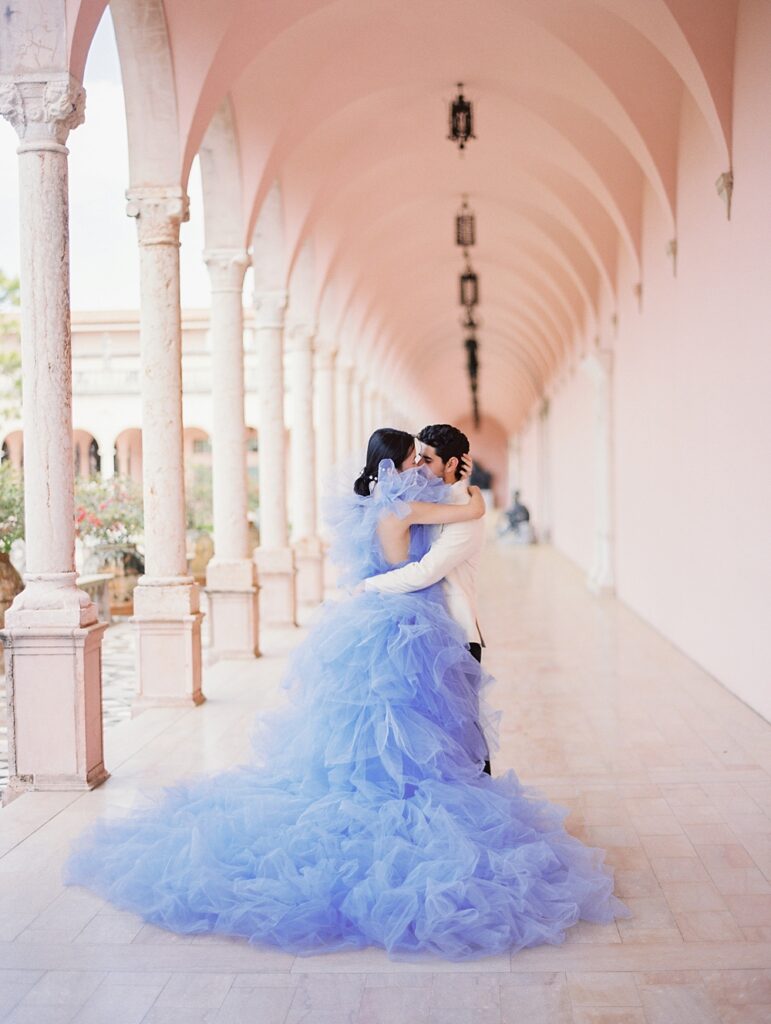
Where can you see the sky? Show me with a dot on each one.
(104, 267)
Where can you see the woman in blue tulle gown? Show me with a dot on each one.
(365, 817)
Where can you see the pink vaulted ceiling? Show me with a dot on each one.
(345, 104)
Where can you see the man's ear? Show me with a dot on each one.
(452, 464)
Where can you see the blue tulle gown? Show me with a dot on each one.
(365, 818)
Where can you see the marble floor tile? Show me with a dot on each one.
(195, 991)
(63, 988)
(708, 926)
(603, 988)
(678, 1004)
(255, 1006)
(608, 1015)
(118, 1004)
(466, 991)
(386, 1005)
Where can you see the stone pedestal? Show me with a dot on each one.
(54, 696)
(168, 639)
(309, 557)
(277, 573)
(233, 595)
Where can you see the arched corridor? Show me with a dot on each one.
(653, 759)
(572, 269)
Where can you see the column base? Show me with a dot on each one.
(278, 585)
(54, 695)
(168, 636)
(233, 594)
(310, 571)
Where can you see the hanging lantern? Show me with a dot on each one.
(469, 288)
(465, 226)
(472, 364)
(461, 119)
(472, 348)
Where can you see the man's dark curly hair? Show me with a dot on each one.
(447, 442)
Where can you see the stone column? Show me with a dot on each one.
(106, 456)
(166, 610)
(358, 444)
(274, 557)
(231, 575)
(343, 427)
(326, 442)
(52, 637)
(601, 578)
(305, 539)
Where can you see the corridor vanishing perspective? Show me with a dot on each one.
(546, 222)
(652, 759)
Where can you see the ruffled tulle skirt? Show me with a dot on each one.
(368, 822)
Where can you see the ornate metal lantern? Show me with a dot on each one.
(469, 288)
(465, 226)
(461, 119)
(472, 348)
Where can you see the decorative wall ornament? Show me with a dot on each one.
(461, 119)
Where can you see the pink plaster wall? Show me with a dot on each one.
(692, 437)
(489, 447)
(571, 436)
(529, 462)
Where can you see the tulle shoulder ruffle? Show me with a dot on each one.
(352, 519)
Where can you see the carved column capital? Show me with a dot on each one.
(159, 213)
(298, 338)
(226, 268)
(42, 108)
(270, 308)
(325, 359)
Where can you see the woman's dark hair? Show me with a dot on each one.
(385, 443)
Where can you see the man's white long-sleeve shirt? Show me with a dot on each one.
(454, 557)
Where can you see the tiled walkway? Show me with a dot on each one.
(656, 762)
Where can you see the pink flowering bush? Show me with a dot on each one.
(108, 511)
(11, 507)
